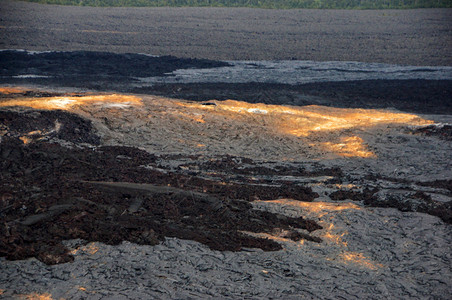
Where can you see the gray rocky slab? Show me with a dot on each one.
(381, 254)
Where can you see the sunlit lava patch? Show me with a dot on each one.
(37, 135)
(359, 259)
(83, 289)
(36, 296)
(233, 127)
(318, 208)
(90, 249)
(272, 237)
(333, 237)
(25, 139)
(303, 122)
(11, 90)
(67, 103)
(192, 117)
(349, 147)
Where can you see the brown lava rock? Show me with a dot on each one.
(50, 193)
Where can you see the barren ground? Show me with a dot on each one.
(411, 37)
(358, 200)
(114, 187)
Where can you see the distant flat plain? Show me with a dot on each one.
(410, 37)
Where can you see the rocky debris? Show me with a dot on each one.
(408, 200)
(51, 193)
(442, 131)
(413, 202)
(390, 254)
(175, 223)
(30, 125)
(341, 195)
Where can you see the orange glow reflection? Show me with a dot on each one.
(302, 121)
(81, 288)
(359, 259)
(194, 117)
(25, 140)
(321, 209)
(270, 237)
(349, 147)
(334, 238)
(11, 90)
(305, 121)
(318, 208)
(36, 296)
(37, 135)
(66, 103)
(260, 130)
(89, 249)
(331, 235)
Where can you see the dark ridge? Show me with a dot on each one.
(442, 184)
(414, 95)
(76, 64)
(417, 202)
(105, 71)
(443, 132)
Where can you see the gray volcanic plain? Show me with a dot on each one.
(410, 37)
